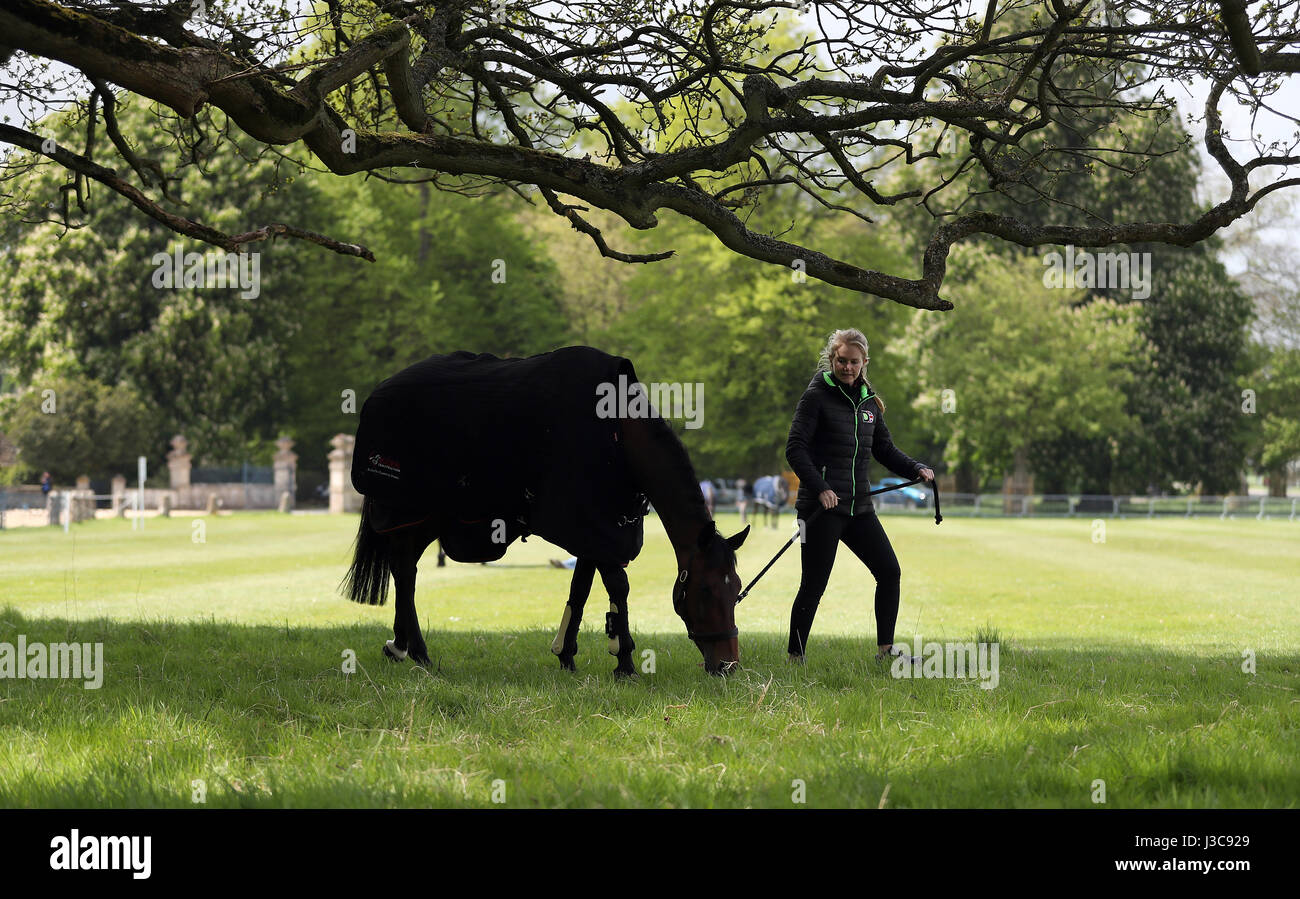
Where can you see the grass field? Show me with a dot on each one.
(1120, 661)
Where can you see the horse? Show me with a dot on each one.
(771, 493)
(566, 492)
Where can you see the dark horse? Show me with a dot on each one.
(649, 457)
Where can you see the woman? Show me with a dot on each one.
(838, 424)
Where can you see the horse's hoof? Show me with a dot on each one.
(622, 673)
(420, 657)
(566, 662)
(393, 653)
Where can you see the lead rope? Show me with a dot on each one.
(820, 509)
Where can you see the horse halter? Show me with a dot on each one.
(680, 586)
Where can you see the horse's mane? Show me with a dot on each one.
(665, 440)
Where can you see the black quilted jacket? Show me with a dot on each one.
(834, 433)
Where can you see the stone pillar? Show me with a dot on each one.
(118, 491)
(286, 472)
(81, 505)
(343, 497)
(178, 463)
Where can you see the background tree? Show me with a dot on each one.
(82, 428)
(83, 300)
(1263, 248)
(1027, 365)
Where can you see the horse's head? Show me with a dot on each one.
(705, 597)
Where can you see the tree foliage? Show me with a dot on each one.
(688, 104)
(1023, 366)
(71, 425)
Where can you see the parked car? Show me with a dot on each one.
(724, 491)
(911, 497)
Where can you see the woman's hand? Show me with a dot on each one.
(926, 473)
(829, 499)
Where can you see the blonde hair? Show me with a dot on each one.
(856, 338)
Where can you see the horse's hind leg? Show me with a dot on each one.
(407, 640)
(566, 641)
(616, 624)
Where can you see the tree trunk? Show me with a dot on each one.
(967, 482)
(1277, 481)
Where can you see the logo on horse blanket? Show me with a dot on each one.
(495, 449)
(382, 465)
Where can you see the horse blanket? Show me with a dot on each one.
(771, 491)
(495, 449)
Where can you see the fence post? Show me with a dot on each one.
(1189, 508)
(1114, 503)
(977, 505)
(1024, 505)
(1151, 506)
(1260, 516)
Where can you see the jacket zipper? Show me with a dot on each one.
(853, 466)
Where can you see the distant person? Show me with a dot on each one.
(706, 488)
(771, 493)
(47, 484)
(742, 500)
(838, 426)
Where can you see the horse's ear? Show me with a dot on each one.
(736, 540)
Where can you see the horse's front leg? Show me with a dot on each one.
(616, 623)
(565, 644)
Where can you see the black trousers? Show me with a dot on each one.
(862, 534)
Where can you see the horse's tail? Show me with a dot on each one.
(367, 579)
